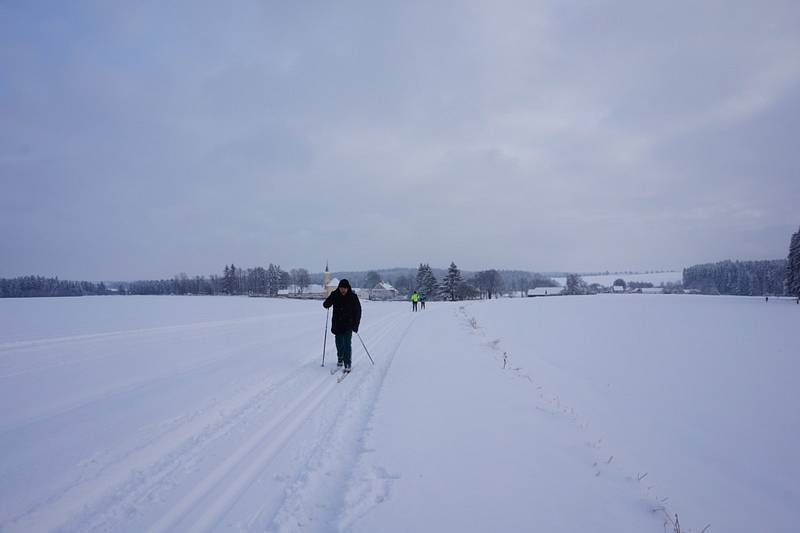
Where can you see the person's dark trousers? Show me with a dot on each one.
(413, 306)
(344, 348)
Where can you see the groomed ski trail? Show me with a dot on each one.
(205, 507)
(315, 499)
(266, 435)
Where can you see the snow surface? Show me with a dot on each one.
(600, 413)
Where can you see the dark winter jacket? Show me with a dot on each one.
(346, 311)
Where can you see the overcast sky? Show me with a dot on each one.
(140, 140)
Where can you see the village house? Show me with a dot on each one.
(383, 291)
(545, 291)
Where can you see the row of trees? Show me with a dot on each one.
(749, 278)
(259, 280)
(234, 280)
(576, 285)
(483, 284)
(38, 286)
(743, 278)
(487, 283)
(268, 281)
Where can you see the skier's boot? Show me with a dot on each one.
(347, 369)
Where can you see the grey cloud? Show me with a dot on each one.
(147, 139)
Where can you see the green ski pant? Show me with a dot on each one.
(344, 348)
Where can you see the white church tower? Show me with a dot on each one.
(327, 286)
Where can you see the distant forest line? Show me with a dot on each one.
(741, 278)
(272, 280)
(746, 278)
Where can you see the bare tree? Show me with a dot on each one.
(301, 278)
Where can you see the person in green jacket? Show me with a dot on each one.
(414, 300)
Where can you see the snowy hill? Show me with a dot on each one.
(601, 413)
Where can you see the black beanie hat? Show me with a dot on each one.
(344, 283)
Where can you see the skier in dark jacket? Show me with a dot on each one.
(346, 319)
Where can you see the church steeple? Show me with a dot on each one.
(326, 281)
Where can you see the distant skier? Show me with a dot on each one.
(414, 300)
(422, 301)
(346, 319)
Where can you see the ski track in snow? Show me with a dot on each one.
(139, 333)
(316, 496)
(37, 360)
(125, 490)
(139, 386)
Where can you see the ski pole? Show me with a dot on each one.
(365, 347)
(325, 338)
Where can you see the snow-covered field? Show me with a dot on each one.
(600, 413)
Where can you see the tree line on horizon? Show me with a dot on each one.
(233, 281)
(269, 281)
(739, 278)
(776, 277)
(40, 286)
(746, 278)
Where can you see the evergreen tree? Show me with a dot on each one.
(420, 279)
(430, 282)
(451, 284)
(793, 267)
(746, 278)
(39, 286)
(229, 279)
(274, 279)
(427, 285)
